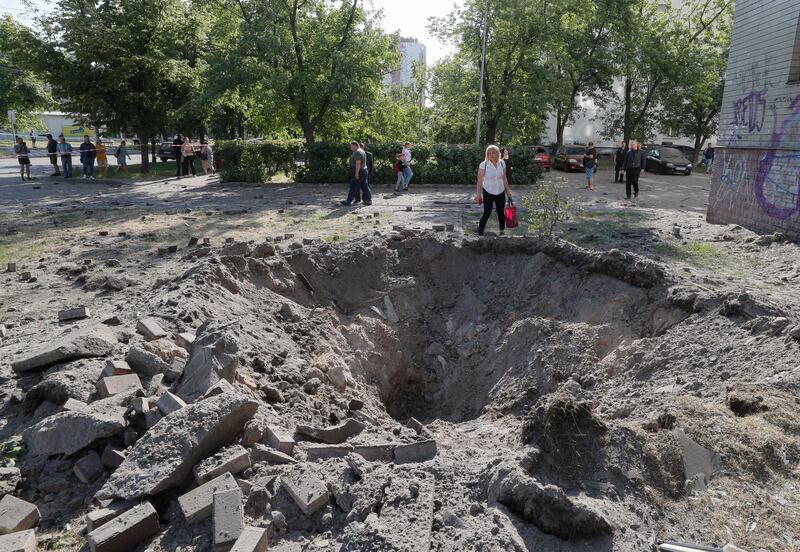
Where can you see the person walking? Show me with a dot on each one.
(206, 158)
(122, 156)
(398, 172)
(358, 176)
(370, 167)
(177, 143)
(590, 164)
(65, 151)
(188, 155)
(633, 166)
(708, 157)
(23, 158)
(492, 188)
(33, 138)
(88, 154)
(506, 157)
(102, 157)
(52, 153)
(619, 160)
(408, 174)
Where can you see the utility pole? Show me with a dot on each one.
(483, 70)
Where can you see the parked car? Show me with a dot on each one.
(666, 160)
(569, 158)
(542, 157)
(606, 152)
(688, 151)
(166, 151)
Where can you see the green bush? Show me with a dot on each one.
(326, 162)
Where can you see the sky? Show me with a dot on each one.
(410, 17)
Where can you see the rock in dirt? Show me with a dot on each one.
(332, 435)
(17, 515)
(145, 363)
(125, 531)
(70, 431)
(214, 357)
(699, 463)
(61, 383)
(21, 541)
(546, 506)
(150, 329)
(233, 459)
(96, 342)
(10, 478)
(165, 455)
(306, 489)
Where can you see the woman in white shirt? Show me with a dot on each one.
(492, 188)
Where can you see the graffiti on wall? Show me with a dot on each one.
(777, 185)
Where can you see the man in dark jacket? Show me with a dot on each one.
(176, 147)
(633, 166)
(370, 161)
(88, 155)
(52, 149)
(619, 160)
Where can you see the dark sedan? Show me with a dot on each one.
(167, 151)
(569, 158)
(667, 160)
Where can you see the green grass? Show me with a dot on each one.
(693, 251)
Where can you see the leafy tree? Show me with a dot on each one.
(514, 87)
(128, 65)
(21, 88)
(306, 62)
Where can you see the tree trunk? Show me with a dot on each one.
(491, 130)
(308, 128)
(559, 127)
(153, 150)
(626, 118)
(143, 144)
(699, 138)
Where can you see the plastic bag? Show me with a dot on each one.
(511, 215)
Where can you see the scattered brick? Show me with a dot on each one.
(376, 453)
(279, 440)
(262, 453)
(149, 328)
(17, 515)
(88, 468)
(73, 314)
(415, 452)
(12, 267)
(140, 405)
(233, 459)
(112, 457)
(96, 518)
(197, 503)
(169, 403)
(152, 417)
(116, 368)
(193, 241)
(252, 539)
(113, 385)
(74, 405)
(228, 518)
(185, 340)
(21, 541)
(222, 387)
(306, 489)
(125, 531)
(322, 452)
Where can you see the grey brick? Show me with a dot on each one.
(252, 539)
(88, 468)
(127, 530)
(21, 541)
(233, 459)
(17, 515)
(196, 504)
(415, 452)
(306, 489)
(150, 329)
(228, 518)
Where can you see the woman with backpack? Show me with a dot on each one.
(492, 189)
(206, 158)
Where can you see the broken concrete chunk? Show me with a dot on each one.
(70, 431)
(152, 417)
(17, 515)
(74, 406)
(116, 368)
(391, 313)
(96, 518)
(96, 342)
(165, 455)
(140, 405)
(185, 340)
(262, 453)
(150, 329)
(114, 385)
(10, 478)
(169, 403)
(196, 504)
(21, 541)
(697, 460)
(252, 539)
(228, 518)
(145, 363)
(112, 458)
(415, 424)
(214, 357)
(279, 440)
(3, 331)
(306, 488)
(174, 372)
(335, 434)
(220, 388)
(88, 468)
(232, 459)
(124, 532)
(323, 452)
(73, 314)
(415, 452)
(376, 453)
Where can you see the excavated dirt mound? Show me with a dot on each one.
(573, 396)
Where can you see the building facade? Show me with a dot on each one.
(413, 54)
(756, 179)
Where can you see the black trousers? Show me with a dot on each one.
(618, 174)
(188, 164)
(632, 181)
(499, 202)
(178, 165)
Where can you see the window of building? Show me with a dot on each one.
(794, 68)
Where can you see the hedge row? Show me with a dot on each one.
(326, 162)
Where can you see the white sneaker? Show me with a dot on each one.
(91, 178)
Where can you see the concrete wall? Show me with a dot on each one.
(756, 179)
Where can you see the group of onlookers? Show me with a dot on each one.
(185, 155)
(361, 168)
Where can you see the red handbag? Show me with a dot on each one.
(511, 214)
